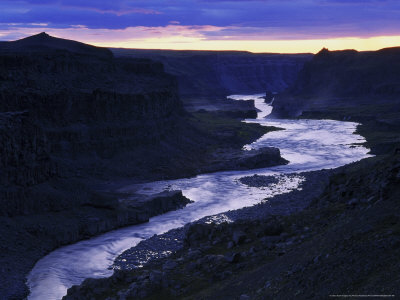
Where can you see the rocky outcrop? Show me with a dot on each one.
(245, 160)
(156, 204)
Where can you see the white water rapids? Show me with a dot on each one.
(308, 145)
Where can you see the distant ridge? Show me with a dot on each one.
(43, 41)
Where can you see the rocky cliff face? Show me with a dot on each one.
(24, 162)
(208, 74)
(66, 106)
(334, 78)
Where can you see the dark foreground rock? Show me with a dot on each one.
(346, 242)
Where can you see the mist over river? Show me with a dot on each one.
(308, 145)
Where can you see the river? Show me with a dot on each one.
(307, 144)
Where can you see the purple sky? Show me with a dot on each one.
(193, 21)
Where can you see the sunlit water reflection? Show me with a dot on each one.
(308, 145)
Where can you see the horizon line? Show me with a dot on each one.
(303, 46)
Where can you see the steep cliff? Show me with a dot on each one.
(208, 76)
(337, 78)
(81, 107)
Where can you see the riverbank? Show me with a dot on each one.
(354, 221)
(379, 124)
(284, 204)
(35, 235)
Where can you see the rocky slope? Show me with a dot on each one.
(345, 243)
(206, 77)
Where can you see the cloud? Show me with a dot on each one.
(112, 36)
(234, 19)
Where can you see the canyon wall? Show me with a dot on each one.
(68, 108)
(211, 75)
(343, 78)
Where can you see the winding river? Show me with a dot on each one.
(308, 144)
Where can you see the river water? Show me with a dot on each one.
(307, 144)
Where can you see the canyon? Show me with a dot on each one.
(207, 77)
(82, 127)
(74, 121)
(345, 241)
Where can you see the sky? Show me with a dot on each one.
(284, 26)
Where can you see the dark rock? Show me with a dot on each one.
(354, 201)
(259, 181)
(272, 229)
(269, 97)
(233, 257)
(238, 237)
(191, 267)
(169, 265)
(194, 254)
(155, 277)
(246, 159)
(157, 203)
(194, 233)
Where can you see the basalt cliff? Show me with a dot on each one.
(71, 110)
